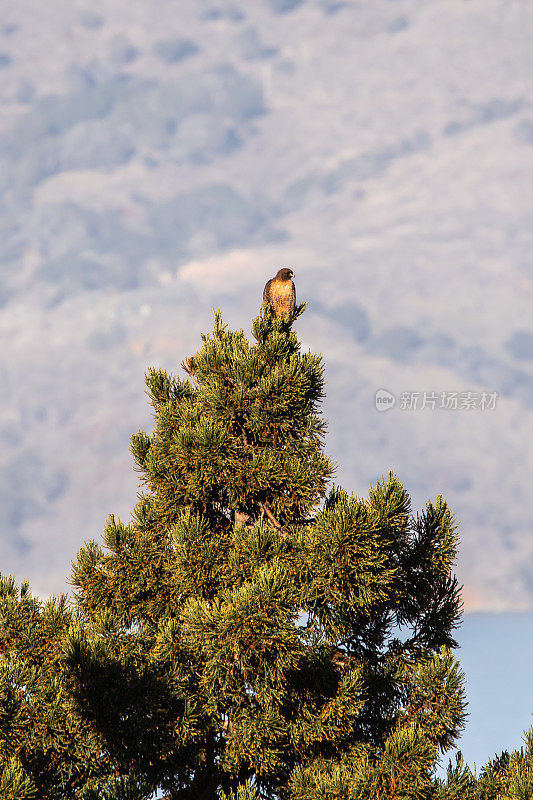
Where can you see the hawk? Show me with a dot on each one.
(280, 293)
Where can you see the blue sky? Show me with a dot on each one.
(496, 652)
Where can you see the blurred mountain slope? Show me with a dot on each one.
(157, 164)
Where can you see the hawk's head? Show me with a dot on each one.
(284, 274)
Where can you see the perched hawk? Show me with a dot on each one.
(280, 293)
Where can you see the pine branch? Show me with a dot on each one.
(264, 507)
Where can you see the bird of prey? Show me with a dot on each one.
(280, 293)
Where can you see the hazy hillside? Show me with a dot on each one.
(159, 160)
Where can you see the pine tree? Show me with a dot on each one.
(248, 625)
(253, 631)
(47, 748)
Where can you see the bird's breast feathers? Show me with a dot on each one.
(283, 295)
